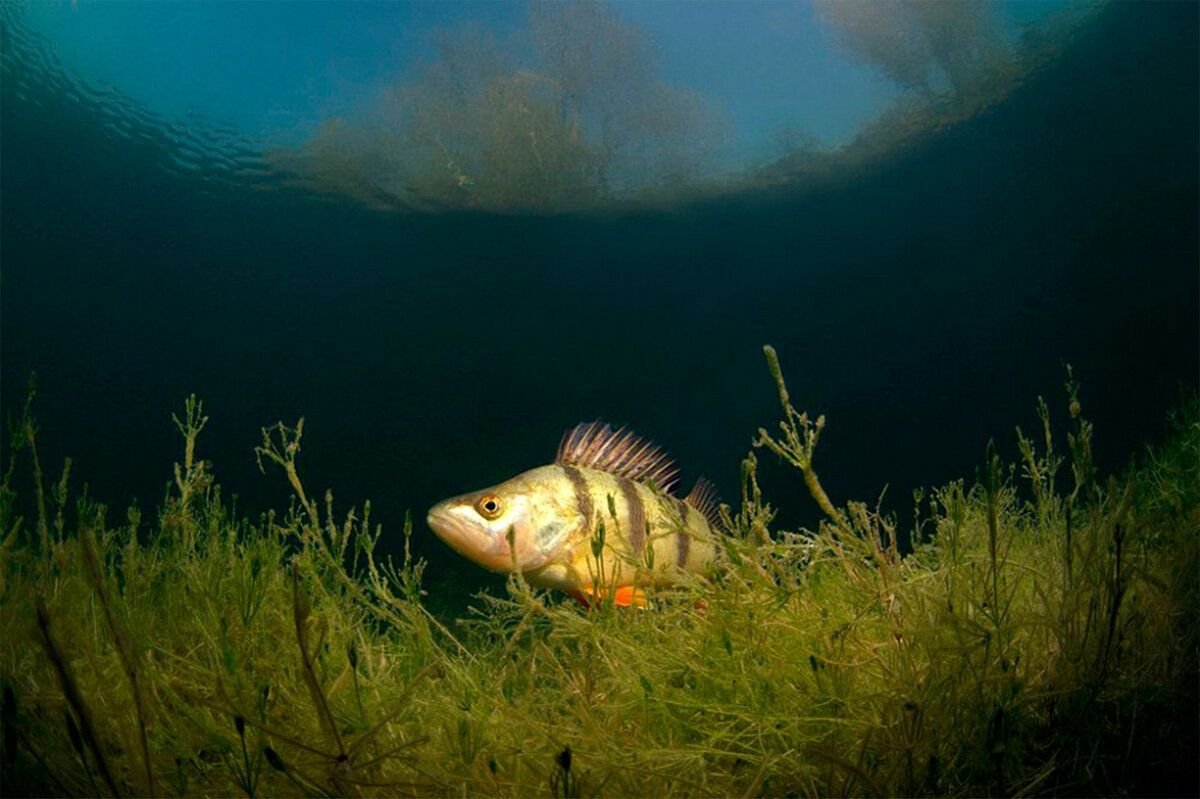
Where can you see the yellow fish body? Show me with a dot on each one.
(598, 522)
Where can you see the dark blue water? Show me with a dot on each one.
(922, 304)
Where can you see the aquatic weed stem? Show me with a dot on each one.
(800, 436)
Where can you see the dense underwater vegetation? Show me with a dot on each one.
(1017, 620)
(1039, 639)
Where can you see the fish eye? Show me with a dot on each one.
(489, 506)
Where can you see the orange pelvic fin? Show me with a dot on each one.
(625, 596)
(628, 596)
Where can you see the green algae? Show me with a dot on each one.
(1040, 638)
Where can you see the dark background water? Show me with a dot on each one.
(922, 304)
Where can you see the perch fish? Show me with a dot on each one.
(600, 522)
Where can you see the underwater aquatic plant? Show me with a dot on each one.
(1036, 640)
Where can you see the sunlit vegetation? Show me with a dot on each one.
(572, 113)
(919, 44)
(951, 61)
(1040, 638)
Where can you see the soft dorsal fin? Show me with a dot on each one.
(704, 498)
(620, 452)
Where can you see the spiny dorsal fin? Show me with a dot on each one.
(620, 452)
(704, 498)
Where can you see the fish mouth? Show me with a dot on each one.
(436, 518)
(447, 520)
(443, 524)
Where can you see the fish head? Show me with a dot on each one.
(521, 524)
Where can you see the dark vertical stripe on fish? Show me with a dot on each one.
(683, 539)
(583, 497)
(637, 515)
